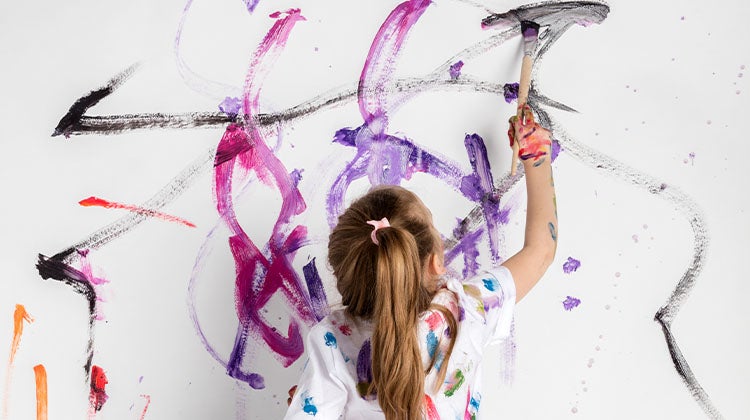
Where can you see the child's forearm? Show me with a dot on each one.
(541, 213)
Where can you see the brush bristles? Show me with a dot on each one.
(529, 29)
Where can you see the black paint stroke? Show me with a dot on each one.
(685, 205)
(68, 122)
(56, 269)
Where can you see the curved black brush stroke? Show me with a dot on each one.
(56, 269)
(688, 208)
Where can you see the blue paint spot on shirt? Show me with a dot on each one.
(491, 284)
(474, 402)
(432, 343)
(309, 407)
(331, 340)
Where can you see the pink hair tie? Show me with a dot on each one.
(377, 224)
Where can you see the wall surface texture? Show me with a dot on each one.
(171, 170)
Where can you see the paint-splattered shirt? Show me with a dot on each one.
(336, 376)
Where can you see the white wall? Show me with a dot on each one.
(661, 98)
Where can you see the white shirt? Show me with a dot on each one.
(337, 372)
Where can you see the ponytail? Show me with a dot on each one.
(380, 274)
(398, 373)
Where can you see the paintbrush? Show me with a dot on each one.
(530, 33)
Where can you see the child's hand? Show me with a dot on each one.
(534, 141)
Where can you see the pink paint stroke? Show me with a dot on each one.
(243, 151)
(145, 408)
(98, 202)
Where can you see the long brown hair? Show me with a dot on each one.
(388, 284)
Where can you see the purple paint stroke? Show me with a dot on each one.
(555, 149)
(262, 273)
(318, 300)
(570, 302)
(468, 246)
(455, 69)
(510, 92)
(571, 265)
(479, 187)
(364, 366)
(230, 106)
(378, 69)
(193, 80)
(251, 5)
(386, 161)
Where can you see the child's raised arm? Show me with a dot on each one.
(540, 241)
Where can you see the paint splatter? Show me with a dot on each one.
(432, 343)
(291, 392)
(345, 329)
(251, 5)
(571, 265)
(454, 382)
(40, 378)
(98, 202)
(330, 340)
(308, 406)
(491, 284)
(364, 370)
(510, 92)
(145, 407)
(455, 69)
(98, 393)
(231, 106)
(430, 411)
(570, 302)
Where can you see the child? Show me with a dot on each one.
(407, 345)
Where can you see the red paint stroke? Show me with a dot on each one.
(98, 202)
(430, 410)
(98, 395)
(148, 402)
(40, 374)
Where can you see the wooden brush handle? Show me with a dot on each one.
(523, 95)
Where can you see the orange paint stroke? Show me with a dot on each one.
(19, 316)
(148, 401)
(98, 202)
(40, 373)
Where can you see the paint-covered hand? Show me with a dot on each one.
(534, 141)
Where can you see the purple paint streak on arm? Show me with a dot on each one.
(571, 265)
(319, 302)
(479, 187)
(455, 69)
(380, 60)
(570, 302)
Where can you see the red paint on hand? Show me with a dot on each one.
(98, 202)
(534, 141)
